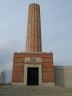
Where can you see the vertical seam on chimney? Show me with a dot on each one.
(37, 29)
(34, 29)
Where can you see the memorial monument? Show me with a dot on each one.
(33, 67)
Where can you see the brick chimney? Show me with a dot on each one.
(33, 37)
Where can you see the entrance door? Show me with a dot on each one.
(32, 76)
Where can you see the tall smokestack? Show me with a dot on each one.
(33, 37)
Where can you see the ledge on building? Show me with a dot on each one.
(43, 83)
(35, 52)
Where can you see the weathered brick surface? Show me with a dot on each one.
(19, 60)
(47, 78)
(47, 66)
(18, 68)
(21, 73)
(18, 64)
(19, 55)
(50, 73)
(33, 37)
(48, 69)
(47, 59)
(18, 76)
(47, 55)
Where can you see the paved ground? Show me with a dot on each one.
(10, 90)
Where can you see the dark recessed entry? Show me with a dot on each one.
(32, 76)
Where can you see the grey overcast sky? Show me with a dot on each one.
(56, 29)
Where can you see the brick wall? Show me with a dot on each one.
(47, 66)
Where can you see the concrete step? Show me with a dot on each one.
(10, 90)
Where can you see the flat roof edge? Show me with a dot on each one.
(33, 52)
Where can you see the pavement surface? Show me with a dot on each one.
(10, 90)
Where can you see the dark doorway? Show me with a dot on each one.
(32, 76)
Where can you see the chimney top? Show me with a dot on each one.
(34, 3)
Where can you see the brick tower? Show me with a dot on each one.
(33, 67)
(33, 38)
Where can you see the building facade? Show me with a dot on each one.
(33, 67)
(23, 62)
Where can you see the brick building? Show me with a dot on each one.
(33, 67)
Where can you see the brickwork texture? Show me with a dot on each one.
(33, 37)
(33, 44)
(47, 66)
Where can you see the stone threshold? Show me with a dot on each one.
(43, 84)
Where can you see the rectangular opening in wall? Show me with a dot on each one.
(32, 76)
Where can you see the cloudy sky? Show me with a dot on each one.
(56, 29)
